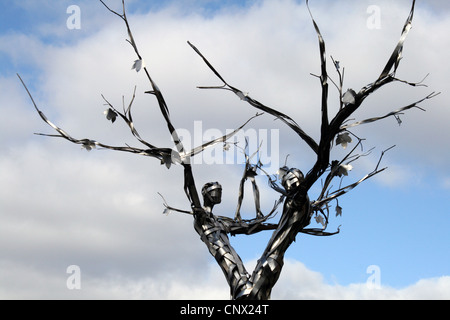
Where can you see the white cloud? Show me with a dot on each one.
(446, 183)
(298, 282)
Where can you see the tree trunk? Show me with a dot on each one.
(214, 233)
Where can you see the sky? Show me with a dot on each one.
(100, 211)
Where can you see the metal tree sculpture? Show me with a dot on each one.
(298, 209)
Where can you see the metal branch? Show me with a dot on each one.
(297, 209)
(89, 144)
(223, 139)
(414, 84)
(340, 192)
(155, 90)
(334, 170)
(353, 103)
(396, 56)
(324, 74)
(341, 81)
(245, 97)
(393, 113)
(128, 119)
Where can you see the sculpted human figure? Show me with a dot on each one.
(214, 233)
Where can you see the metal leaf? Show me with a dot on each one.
(338, 211)
(396, 56)
(138, 65)
(344, 139)
(349, 97)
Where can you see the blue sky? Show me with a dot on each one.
(100, 210)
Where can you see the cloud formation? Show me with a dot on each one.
(297, 282)
(61, 205)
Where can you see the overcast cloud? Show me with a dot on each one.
(62, 206)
